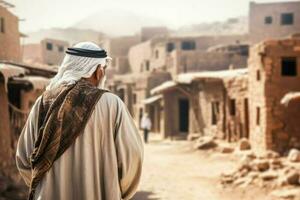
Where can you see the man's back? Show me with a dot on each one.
(103, 163)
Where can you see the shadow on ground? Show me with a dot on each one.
(142, 195)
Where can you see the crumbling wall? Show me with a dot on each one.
(236, 125)
(283, 122)
(212, 92)
(279, 125)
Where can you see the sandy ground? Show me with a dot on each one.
(173, 170)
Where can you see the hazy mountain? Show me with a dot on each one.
(117, 22)
(109, 24)
(237, 25)
(72, 35)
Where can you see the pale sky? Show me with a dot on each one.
(63, 13)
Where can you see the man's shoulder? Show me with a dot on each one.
(109, 98)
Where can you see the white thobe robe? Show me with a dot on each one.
(104, 163)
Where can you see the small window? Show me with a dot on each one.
(147, 65)
(258, 75)
(61, 48)
(258, 116)
(156, 54)
(170, 47)
(2, 25)
(232, 109)
(49, 46)
(142, 68)
(188, 45)
(287, 19)
(268, 20)
(289, 66)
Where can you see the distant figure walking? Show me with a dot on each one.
(146, 126)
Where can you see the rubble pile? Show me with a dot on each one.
(267, 170)
(204, 143)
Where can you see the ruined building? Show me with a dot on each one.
(185, 54)
(237, 103)
(273, 72)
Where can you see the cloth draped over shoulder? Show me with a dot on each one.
(64, 112)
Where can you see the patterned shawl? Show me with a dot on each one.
(63, 115)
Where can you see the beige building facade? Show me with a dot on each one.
(48, 51)
(273, 20)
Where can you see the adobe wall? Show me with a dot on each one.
(195, 61)
(53, 57)
(10, 40)
(279, 124)
(259, 31)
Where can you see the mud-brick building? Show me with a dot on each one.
(205, 103)
(273, 20)
(20, 85)
(48, 51)
(118, 48)
(185, 54)
(274, 70)
(133, 89)
(9, 34)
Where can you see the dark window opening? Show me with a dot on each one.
(147, 65)
(232, 109)
(61, 48)
(258, 75)
(268, 20)
(289, 66)
(287, 19)
(258, 116)
(170, 47)
(2, 25)
(188, 45)
(49, 46)
(156, 54)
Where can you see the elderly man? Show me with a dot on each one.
(79, 141)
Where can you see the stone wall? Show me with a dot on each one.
(215, 109)
(279, 125)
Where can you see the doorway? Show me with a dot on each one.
(183, 115)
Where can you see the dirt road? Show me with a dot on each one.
(173, 171)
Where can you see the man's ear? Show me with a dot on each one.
(99, 73)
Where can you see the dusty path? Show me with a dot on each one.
(173, 171)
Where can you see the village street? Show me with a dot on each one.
(173, 170)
